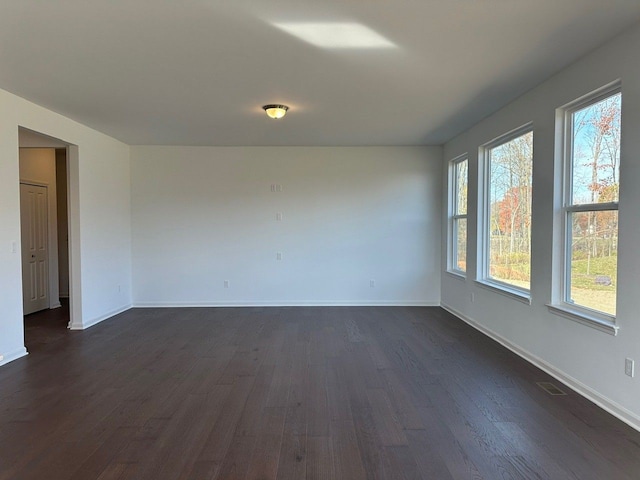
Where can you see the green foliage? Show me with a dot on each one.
(595, 266)
(517, 267)
(514, 266)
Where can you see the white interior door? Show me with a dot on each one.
(35, 254)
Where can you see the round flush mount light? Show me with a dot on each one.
(275, 111)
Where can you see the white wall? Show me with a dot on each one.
(587, 359)
(101, 190)
(203, 215)
(38, 165)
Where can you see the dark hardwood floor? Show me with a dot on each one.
(46, 326)
(295, 393)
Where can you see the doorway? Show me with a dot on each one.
(44, 224)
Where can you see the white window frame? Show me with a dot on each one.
(594, 318)
(455, 216)
(484, 193)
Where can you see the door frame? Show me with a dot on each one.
(73, 215)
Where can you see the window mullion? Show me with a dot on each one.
(592, 207)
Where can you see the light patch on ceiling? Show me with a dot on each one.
(336, 35)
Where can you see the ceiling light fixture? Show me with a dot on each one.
(276, 111)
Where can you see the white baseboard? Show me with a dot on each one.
(283, 304)
(11, 356)
(101, 318)
(615, 409)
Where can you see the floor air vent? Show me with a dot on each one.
(550, 388)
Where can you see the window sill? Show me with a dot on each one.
(502, 289)
(456, 274)
(602, 324)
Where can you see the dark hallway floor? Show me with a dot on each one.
(46, 326)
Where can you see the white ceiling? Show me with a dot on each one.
(196, 72)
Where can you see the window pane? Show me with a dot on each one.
(461, 187)
(594, 260)
(461, 244)
(596, 152)
(511, 167)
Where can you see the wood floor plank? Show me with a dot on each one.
(318, 411)
(292, 462)
(452, 452)
(113, 471)
(98, 463)
(235, 464)
(266, 454)
(400, 464)
(403, 402)
(368, 443)
(428, 460)
(532, 454)
(346, 452)
(215, 447)
(320, 459)
(251, 414)
(388, 426)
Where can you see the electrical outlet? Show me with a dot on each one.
(372, 283)
(473, 297)
(278, 217)
(14, 247)
(278, 256)
(226, 284)
(629, 367)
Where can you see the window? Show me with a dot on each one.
(591, 188)
(459, 179)
(506, 244)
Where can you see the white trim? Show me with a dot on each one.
(592, 97)
(599, 322)
(507, 290)
(456, 274)
(615, 409)
(73, 232)
(282, 304)
(16, 354)
(508, 136)
(592, 207)
(101, 318)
